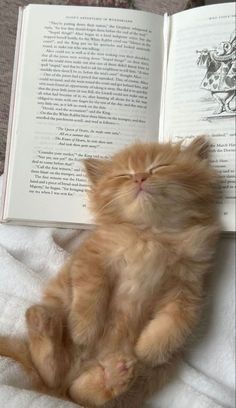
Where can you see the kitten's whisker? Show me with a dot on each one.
(191, 188)
(116, 197)
(111, 201)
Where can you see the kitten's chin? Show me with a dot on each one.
(140, 210)
(142, 194)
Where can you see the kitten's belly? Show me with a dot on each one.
(136, 271)
(128, 313)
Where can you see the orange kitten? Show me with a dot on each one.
(114, 320)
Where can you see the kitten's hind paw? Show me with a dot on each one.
(104, 382)
(119, 373)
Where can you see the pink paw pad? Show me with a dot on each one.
(122, 366)
(118, 374)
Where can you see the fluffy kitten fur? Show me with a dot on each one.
(113, 321)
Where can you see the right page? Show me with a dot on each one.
(200, 89)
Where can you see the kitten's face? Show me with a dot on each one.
(151, 184)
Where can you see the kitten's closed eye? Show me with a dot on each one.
(157, 167)
(123, 175)
(149, 171)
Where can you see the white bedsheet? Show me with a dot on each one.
(29, 255)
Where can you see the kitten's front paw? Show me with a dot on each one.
(83, 332)
(150, 353)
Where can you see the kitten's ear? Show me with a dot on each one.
(95, 168)
(200, 146)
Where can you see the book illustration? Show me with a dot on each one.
(220, 77)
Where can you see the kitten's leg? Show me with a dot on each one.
(18, 350)
(57, 292)
(49, 346)
(82, 289)
(167, 332)
(104, 381)
(48, 335)
(90, 296)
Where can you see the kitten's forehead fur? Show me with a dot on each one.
(142, 157)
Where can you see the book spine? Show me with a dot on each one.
(166, 41)
(11, 111)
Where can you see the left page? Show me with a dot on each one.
(88, 83)
(200, 96)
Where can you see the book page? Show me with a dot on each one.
(201, 84)
(88, 83)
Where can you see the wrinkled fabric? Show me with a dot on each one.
(31, 255)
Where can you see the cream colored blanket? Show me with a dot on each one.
(29, 256)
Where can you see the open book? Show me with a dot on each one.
(88, 81)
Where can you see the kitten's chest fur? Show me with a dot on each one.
(137, 266)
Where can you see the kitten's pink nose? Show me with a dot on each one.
(140, 177)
